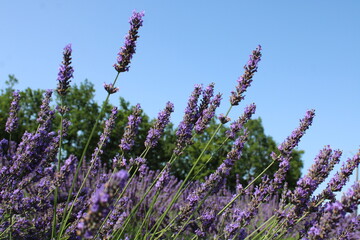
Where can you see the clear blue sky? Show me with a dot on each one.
(310, 56)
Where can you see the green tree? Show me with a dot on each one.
(29, 104)
(83, 110)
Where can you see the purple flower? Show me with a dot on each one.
(317, 173)
(208, 93)
(163, 179)
(104, 138)
(245, 80)
(223, 119)
(110, 88)
(237, 125)
(65, 72)
(45, 107)
(292, 141)
(184, 132)
(333, 212)
(66, 169)
(12, 121)
(128, 139)
(159, 126)
(212, 184)
(339, 180)
(101, 204)
(127, 51)
(207, 114)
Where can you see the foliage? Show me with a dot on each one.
(83, 110)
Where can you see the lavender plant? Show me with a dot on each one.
(43, 196)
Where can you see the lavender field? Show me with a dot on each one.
(45, 195)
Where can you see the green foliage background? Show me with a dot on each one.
(84, 110)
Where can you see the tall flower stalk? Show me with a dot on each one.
(64, 77)
(124, 58)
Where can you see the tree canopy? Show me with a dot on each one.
(83, 110)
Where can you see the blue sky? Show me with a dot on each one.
(310, 57)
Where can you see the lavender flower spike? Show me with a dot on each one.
(292, 141)
(45, 107)
(65, 72)
(104, 138)
(128, 140)
(110, 88)
(237, 125)
(101, 204)
(246, 79)
(184, 132)
(207, 114)
(341, 177)
(129, 48)
(12, 121)
(159, 126)
(215, 179)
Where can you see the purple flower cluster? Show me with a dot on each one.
(237, 125)
(110, 88)
(207, 114)
(215, 180)
(245, 80)
(12, 121)
(341, 177)
(155, 132)
(127, 51)
(104, 138)
(101, 203)
(128, 139)
(65, 72)
(332, 213)
(184, 132)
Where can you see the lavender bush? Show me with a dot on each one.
(44, 196)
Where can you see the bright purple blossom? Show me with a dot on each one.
(223, 119)
(127, 51)
(333, 212)
(292, 141)
(65, 72)
(341, 177)
(245, 80)
(317, 173)
(215, 180)
(12, 121)
(128, 139)
(110, 88)
(45, 107)
(104, 138)
(184, 132)
(207, 114)
(237, 125)
(157, 130)
(101, 204)
(207, 94)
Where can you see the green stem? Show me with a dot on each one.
(119, 232)
(64, 221)
(256, 230)
(152, 204)
(177, 195)
(239, 194)
(11, 216)
(193, 213)
(9, 228)
(53, 230)
(142, 155)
